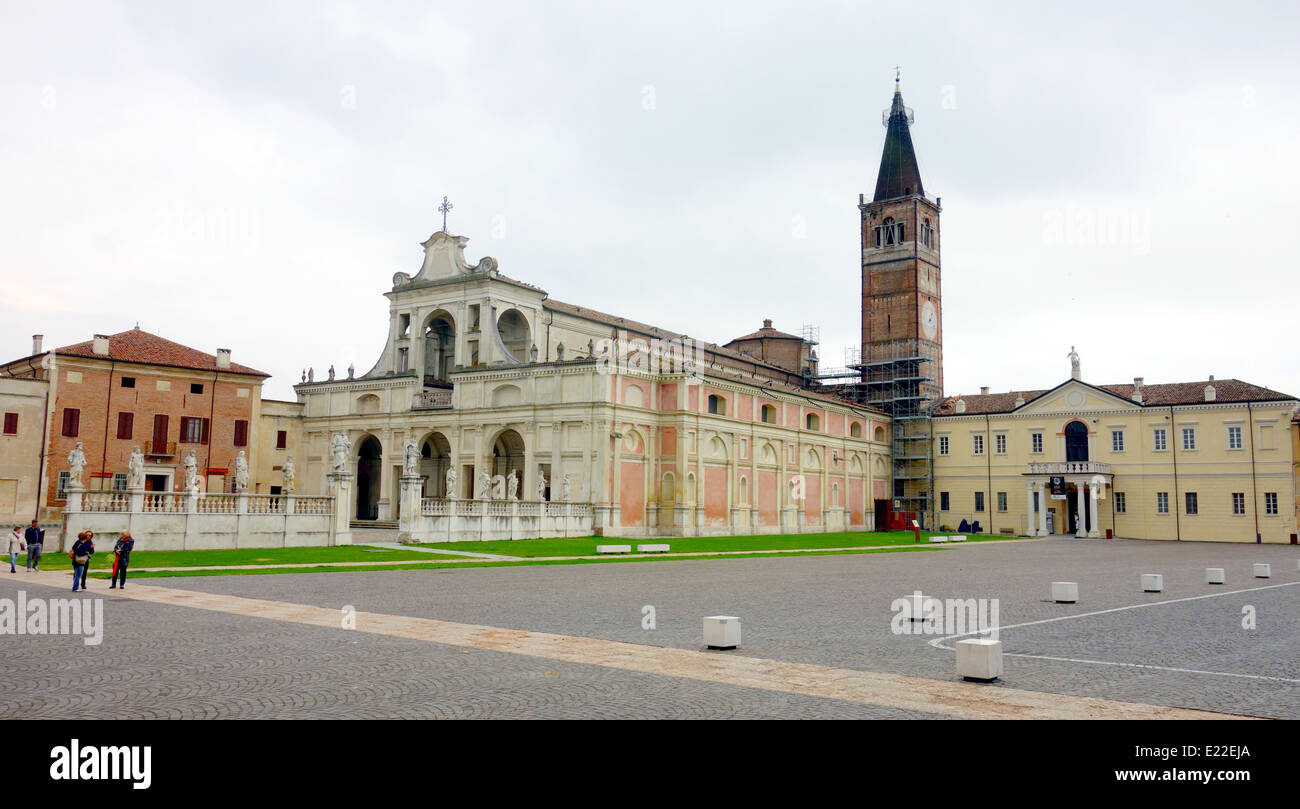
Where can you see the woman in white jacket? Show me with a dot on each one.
(15, 545)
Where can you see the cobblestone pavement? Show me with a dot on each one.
(831, 611)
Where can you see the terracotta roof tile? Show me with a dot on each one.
(141, 347)
(1162, 395)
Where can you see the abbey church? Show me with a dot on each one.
(491, 397)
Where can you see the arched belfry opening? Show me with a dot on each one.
(513, 328)
(439, 348)
(1076, 441)
(369, 472)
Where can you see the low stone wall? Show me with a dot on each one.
(478, 520)
(170, 521)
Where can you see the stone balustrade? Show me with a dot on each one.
(1069, 468)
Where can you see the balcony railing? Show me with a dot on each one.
(439, 399)
(1069, 468)
(159, 447)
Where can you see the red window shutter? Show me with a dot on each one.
(125, 425)
(204, 439)
(281, 439)
(241, 433)
(71, 422)
(11, 424)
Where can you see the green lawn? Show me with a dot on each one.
(103, 560)
(586, 546)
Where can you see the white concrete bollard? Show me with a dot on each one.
(979, 659)
(722, 632)
(1065, 592)
(1215, 575)
(1263, 571)
(1153, 583)
(916, 603)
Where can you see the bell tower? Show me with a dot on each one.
(902, 316)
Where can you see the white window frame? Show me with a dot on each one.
(1121, 503)
(1116, 440)
(1159, 439)
(1270, 504)
(999, 443)
(943, 445)
(1188, 433)
(1235, 432)
(977, 444)
(1036, 442)
(1162, 502)
(1239, 504)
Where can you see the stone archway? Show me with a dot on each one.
(507, 455)
(439, 347)
(369, 476)
(1076, 441)
(435, 460)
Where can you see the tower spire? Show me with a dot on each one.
(899, 173)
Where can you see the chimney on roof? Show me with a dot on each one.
(38, 343)
(1137, 389)
(1211, 377)
(223, 358)
(1210, 393)
(1020, 400)
(984, 390)
(100, 345)
(767, 322)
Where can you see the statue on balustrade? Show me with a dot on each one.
(498, 487)
(76, 466)
(484, 486)
(241, 473)
(191, 464)
(512, 485)
(411, 458)
(450, 480)
(340, 447)
(290, 476)
(135, 470)
(565, 482)
(541, 487)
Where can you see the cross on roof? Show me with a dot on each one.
(443, 209)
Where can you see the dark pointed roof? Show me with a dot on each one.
(899, 173)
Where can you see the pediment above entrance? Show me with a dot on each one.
(1075, 397)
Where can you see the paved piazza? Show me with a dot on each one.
(817, 640)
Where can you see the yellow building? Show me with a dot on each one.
(279, 438)
(1213, 460)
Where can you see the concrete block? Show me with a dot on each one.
(652, 548)
(938, 539)
(916, 607)
(1153, 583)
(1065, 592)
(1215, 575)
(613, 549)
(961, 538)
(722, 632)
(1263, 571)
(979, 659)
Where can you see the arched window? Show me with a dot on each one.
(513, 328)
(880, 434)
(811, 422)
(439, 347)
(1076, 441)
(855, 430)
(717, 405)
(769, 414)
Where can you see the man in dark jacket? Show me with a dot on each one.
(122, 550)
(35, 537)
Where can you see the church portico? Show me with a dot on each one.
(1078, 485)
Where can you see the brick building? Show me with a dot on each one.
(115, 392)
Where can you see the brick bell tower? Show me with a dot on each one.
(902, 317)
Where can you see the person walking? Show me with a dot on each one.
(82, 550)
(15, 545)
(122, 551)
(35, 537)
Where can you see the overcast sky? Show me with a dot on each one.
(251, 175)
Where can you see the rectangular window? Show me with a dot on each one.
(1270, 503)
(1191, 502)
(979, 501)
(119, 481)
(1121, 506)
(71, 422)
(1189, 438)
(943, 501)
(1234, 438)
(1002, 501)
(1159, 436)
(241, 433)
(898, 488)
(62, 493)
(125, 425)
(1000, 444)
(196, 387)
(1116, 440)
(977, 444)
(1036, 443)
(194, 430)
(128, 382)
(943, 445)
(1238, 502)
(11, 424)
(878, 237)
(1162, 502)
(281, 439)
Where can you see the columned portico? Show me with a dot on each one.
(1089, 480)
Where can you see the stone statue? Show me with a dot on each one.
(304, 374)
(532, 353)
(352, 370)
(76, 466)
(541, 487)
(135, 470)
(340, 447)
(484, 486)
(591, 348)
(241, 472)
(498, 487)
(1074, 363)
(450, 480)
(512, 485)
(311, 374)
(290, 476)
(559, 353)
(565, 482)
(331, 372)
(191, 464)
(411, 458)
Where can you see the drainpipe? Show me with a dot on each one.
(1173, 448)
(212, 411)
(45, 436)
(108, 406)
(988, 461)
(1254, 484)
